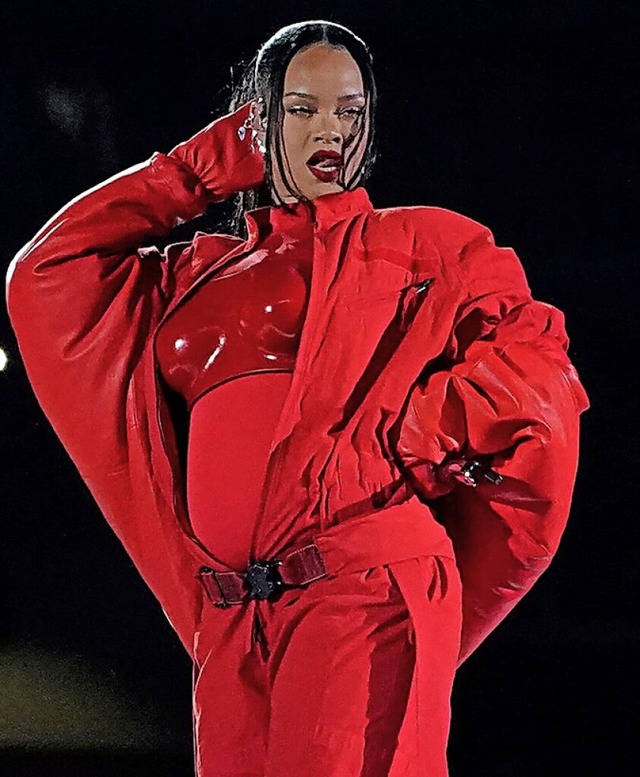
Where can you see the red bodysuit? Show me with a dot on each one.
(229, 350)
(238, 334)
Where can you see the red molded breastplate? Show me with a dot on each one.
(246, 319)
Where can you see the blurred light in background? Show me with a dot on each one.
(82, 112)
(4, 359)
(66, 108)
(57, 702)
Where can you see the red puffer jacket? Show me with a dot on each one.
(421, 343)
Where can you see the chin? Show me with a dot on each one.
(318, 188)
(310, 187)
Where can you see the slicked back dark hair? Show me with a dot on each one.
(264, 77)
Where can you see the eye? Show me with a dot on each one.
(352, 112)
(300, 110)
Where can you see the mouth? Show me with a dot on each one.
(325, 165)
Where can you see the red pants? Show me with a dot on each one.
(326, 688)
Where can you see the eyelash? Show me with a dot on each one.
(351, 112)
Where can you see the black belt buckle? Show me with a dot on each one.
(263, 579)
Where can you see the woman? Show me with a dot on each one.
(309, 438)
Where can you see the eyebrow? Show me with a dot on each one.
(313, 97)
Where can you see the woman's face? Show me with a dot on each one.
(323, 104)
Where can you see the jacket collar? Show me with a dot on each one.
(324, 210)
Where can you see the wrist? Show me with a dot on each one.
(224, 162)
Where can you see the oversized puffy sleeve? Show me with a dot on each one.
(84, 296)
(505, 395)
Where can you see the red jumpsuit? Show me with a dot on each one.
(419, 340)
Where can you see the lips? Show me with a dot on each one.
(325, 165)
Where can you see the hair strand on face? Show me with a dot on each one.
(264, 77)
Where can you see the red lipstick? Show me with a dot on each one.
(325, 165)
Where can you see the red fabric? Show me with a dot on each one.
(224, 482)
(352, 546)
(421, 339)
(265, 580)
(248, 318)
(292, 711)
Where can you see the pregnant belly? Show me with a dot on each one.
(230, 433)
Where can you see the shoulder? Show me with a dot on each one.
(215, 243)
(203, 244)
(208, 249)
(444, 228)
(185, 261)
(463, 245)
(438, 236)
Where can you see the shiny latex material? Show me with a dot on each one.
(238, 325)
(246, 319)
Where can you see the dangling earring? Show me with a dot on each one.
(256, 143)
(242, 129)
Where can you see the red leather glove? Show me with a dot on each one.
(220, 159)
(434, 480)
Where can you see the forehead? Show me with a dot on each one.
(320, 68)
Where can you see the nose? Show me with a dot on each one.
(329, 136)
(328, 129)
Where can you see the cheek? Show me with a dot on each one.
(358, 154)
(293, 137)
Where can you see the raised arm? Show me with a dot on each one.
(82, 297)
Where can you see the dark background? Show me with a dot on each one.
(522, 116)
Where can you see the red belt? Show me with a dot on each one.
(382, 537)
(264, 579)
